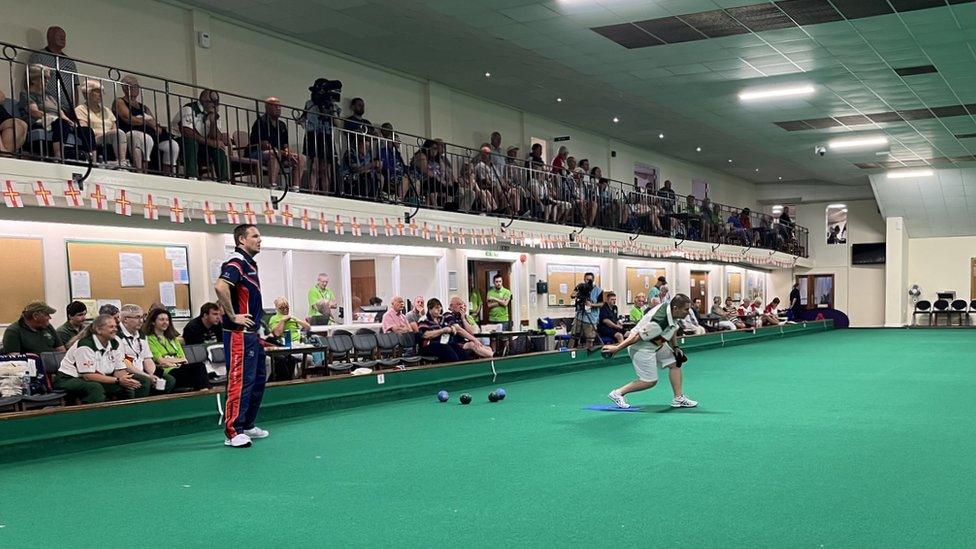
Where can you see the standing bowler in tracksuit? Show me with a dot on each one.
(239, 294)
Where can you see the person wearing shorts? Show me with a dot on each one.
(651, 345)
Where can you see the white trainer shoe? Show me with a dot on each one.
(618, 399)
(256, 432)
(683, 402)
(240, 440)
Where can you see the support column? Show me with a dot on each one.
(896, 272)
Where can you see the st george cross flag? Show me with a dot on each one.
(177, 212)
(233, 214)
(287, 216)
(357, 229)
(43, 195)
(11, 195)
(372, 226)
(99, 200)
(150, 207)
(306, 220)
(209, 214)
(123, 204)
(323, 223)
(72, 195)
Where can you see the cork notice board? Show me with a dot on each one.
(640, 280)
(563, 279)
(24, 282)
(142, 268)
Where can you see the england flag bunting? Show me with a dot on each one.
(209, 214)
(484, 236)
(248, 214)
(287, 216)
(269, 213)
(372, 227)
(339, 227)
(399, 228)
(42, 195)
(426, 232)
(450, 235)
(177, 212)
(438, 234)
(72, 195)
(323, 223)
(123, 205)
(494, 237)
(464, 240)
(357, 229)
(306, 220)
(11, 195)
(98, 199)
(233, 214)
(150, 207)
(413, 228)
(387, 227)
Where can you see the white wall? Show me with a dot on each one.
(417, 277)
(859, 291)
(941, 264)
(306, 266)
(159, 39)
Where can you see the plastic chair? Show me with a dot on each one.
(958, 307)
(941, 307)
(923, 308)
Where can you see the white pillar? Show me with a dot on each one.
(346, 269)
(896, 272)
(396, 275)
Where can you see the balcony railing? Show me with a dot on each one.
(138, 122)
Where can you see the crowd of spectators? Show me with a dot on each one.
(64, 114)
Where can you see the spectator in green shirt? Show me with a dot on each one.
(476, 303)
(321, 293)
(32, 333)
(167, 352)
(282, 321)
(499, 299)
(76, 313)
(637, 310)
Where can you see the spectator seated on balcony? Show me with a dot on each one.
(13, 131)
(694, 226)
(92, 113)
(471, 196)
(361, 172)
(269, 145)
(53, 127)
(394, 168)
(534, 160)
(604, 210)
(505, 195)
(321, 112)
(148, 139)
(443, 170)
(559, 163)
(667, 196)
(204, 140)
(570, 189)
(736, 231)
(770, 236)
(713, 230)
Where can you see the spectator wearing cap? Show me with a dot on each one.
(76, 313)
(32, 333)
(321, 112)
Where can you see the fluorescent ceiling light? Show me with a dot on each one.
(837, 206)
(852, 142)
(774, 93)
(904, 174)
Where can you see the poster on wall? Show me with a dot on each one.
(645, 175)
(699, 188)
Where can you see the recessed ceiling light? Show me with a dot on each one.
(559, 100)
(757, 169)
(852, 142)
(730, 161)
(660, 136)
(903, 174)
(781, 178)
(844, 210)
(615, 120)
(487, 75)
(752, 94)
(697, 149)
(836, 206)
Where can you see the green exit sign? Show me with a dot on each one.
(490, 253)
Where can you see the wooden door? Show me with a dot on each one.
(362, 279)
(699, 289)
(484, 271)
(818, 290)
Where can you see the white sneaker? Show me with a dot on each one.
(256, 432)
(683, 402)
(239, 441)
(619, 399)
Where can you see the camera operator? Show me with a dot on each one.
(588, 298)
(322, 110)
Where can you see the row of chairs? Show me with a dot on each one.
(944, 307)
(366, 349)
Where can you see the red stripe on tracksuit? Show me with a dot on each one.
(235, 382)
(235, 369)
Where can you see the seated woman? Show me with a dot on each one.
(95, 115)
(13, 131)
(168, 353)
(147, 137)
(281, 323)
(717, 311)
(52, 122)
(733, 314)
(135, 350)
(437, 336)
(770, 315)
(94, 367)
